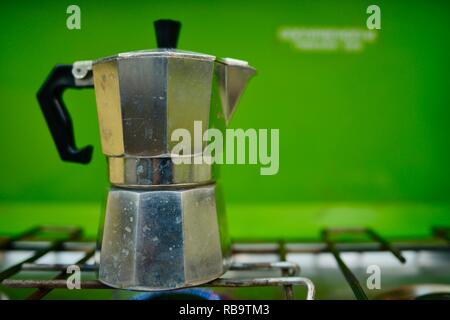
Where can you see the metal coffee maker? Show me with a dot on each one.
(164, 225)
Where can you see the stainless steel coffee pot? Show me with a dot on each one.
(164, 226)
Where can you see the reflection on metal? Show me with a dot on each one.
(157, 211)
(130, 172)
(232, 76)
(327, 39)
(162, 239)
(143, 97)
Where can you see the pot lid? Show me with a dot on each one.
(167, 32)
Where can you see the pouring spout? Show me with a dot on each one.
(233, 76)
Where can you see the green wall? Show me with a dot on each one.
(368, 126)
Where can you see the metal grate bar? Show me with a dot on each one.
(384, 244)
(263, 282)
(51, 284)
(356, 287)
(289, 267)
(358, 291)
(264, 247)
(6, 242)
(289, 270)
(45, 286)
(73, 233)
(288, 289)
(62, 275)
(57, 267)
(95, 284)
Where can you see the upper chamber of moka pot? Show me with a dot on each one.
(143, 96)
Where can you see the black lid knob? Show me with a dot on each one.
(167, 32)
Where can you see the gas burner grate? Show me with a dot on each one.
(71, 240)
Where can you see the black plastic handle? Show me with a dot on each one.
(57, 116)
(167, 32)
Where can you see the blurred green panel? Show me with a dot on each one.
(355, 127)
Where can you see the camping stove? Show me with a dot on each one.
(41, 263)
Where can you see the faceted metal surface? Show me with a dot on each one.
(232, 76)
(131, 172)
(141, 100)
(143, 97)
(164, 228)
(163, 239)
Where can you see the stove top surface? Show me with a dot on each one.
(355, 263)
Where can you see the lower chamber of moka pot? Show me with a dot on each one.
(157, 240)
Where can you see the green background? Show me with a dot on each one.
(363, 135)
